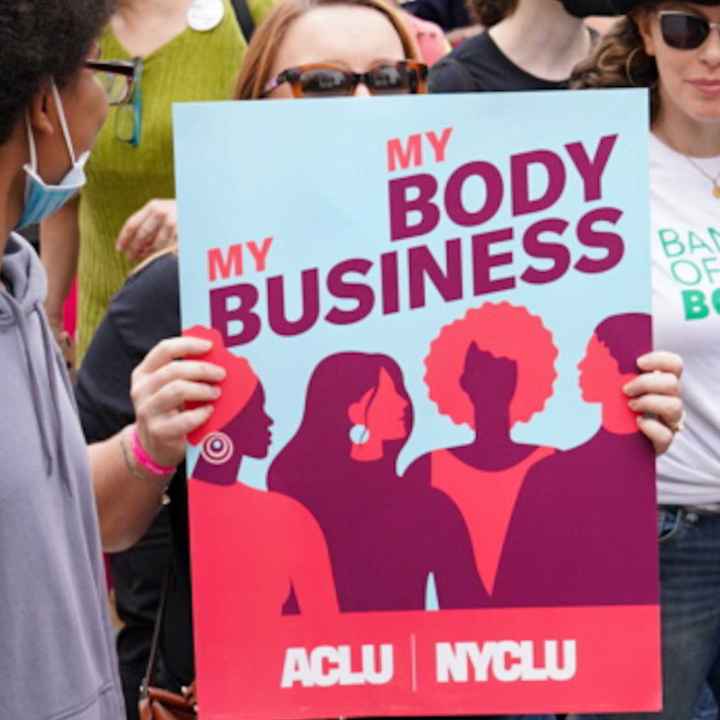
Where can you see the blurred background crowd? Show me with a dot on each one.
(110, 252)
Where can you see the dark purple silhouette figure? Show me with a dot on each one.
(239, 425)
(583, 532)
(385, 534)
(250, 434)
(484, 477)
(490, 369)
(490, 383)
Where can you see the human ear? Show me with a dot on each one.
(42, 112)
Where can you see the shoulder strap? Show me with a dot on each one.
(152, 661)
(244, 18)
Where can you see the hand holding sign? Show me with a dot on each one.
(164, 382)
(150, 229)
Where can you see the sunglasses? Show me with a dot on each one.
(115, 77)
(326, 80)
(683, 30)
(128, 115)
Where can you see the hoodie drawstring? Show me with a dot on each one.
(51, 360)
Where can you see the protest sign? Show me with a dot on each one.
(421, 491)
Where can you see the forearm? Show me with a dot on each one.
(127, 500)
(59, 251)
(128, 491)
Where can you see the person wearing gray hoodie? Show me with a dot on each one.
(57, 659)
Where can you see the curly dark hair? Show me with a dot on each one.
(620, 60)
(42, 39)
(491, 12)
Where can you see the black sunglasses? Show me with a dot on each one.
(327, 80)
(116, 78)
(683, 30)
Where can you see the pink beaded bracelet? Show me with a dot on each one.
(142, 457)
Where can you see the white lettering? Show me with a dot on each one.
(296, 668)
(506, 661)
(328, 666)
(505, 665)
(321, 660)
(382, 674)
(557, 673)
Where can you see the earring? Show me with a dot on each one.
(628, 68)
(217, 448)
(359, 434)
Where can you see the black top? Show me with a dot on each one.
(448, 14)
(479, 65)
(144, 312)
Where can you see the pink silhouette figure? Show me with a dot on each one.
(385, 534)
(583, 532)
(240, 560)
(489, 370)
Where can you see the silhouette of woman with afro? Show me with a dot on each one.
(382, 531)
(488, 370)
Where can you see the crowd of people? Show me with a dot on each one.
(86, 89)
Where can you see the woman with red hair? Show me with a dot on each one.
(489, 370)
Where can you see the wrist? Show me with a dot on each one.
(137, 468)
(144, 459)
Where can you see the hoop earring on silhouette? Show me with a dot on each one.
(628, 68)
(217, 448)
(359, 434)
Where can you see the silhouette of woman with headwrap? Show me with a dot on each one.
(489, 370)
(577, 536)
(386, 535)
(241, 523)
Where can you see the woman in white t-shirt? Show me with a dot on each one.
(673, 48)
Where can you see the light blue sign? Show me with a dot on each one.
(442, 203)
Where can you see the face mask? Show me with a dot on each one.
(585, 8)
(41, 199)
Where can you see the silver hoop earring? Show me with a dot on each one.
(359, 434)
(217, 448)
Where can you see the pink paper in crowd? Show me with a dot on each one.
(430, 38)
(70, 311)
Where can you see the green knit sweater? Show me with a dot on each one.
(193, 66)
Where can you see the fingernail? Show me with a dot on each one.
(627, 389)
(208, 409)
(216, 392)
(643, 360)
(633, 404)
(184, 690)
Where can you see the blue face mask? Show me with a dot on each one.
(41, 199)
